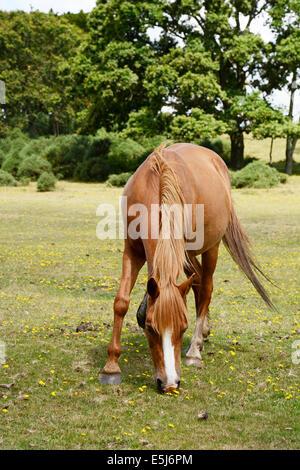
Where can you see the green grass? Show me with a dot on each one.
(55, 274)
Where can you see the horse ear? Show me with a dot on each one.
(152, 288)
(186, 285)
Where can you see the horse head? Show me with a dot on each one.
(165, 324)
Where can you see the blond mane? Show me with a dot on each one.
(170, 256)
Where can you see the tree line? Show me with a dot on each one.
(183, 69)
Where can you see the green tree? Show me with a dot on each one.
(204, 63)
(282, 67)
(80, 19)
(186, 81)
(112, 64)
(221, 30)
(36, 50)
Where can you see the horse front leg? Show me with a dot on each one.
(131, 267)
(202, 297)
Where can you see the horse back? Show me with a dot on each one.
(203, 178)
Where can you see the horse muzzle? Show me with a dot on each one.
(165, 388)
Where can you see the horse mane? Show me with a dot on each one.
(170, 256)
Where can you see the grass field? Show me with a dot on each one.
(55, 274)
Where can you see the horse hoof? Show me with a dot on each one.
(110, 379)
(194, 361)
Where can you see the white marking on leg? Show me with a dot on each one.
(205, 328)
(197, 340)
(169, 358)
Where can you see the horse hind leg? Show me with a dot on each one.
(196, 344)
(202, 296)
(197, 295)
(206, 327)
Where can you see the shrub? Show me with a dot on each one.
(2, 155)
(257, 175)
(123, 154)
(46, 182)
(6, 179)
(33, 167)
(66, 154)
(14, 142)
(79, 157)
(218, 145)
(36, 147)
(24, 181)
(59, 147)
(118, 180)
(11, 147)
(75, 155)
(16, 147)
(95, 166)
(11, 164)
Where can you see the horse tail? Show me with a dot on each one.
(238, 245)
(170, 254)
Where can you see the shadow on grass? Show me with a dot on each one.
(133, 371)
(281, 165)
(98, 355)
(137, 369)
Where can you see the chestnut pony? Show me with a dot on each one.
(177, 175)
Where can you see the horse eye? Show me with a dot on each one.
(150, 330)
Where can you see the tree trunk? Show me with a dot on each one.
(291, 141)
(271, 149)
(55, 127)
(290, 147)
(237, 150)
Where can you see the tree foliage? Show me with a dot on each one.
(36, 51)
(112, 64)
(144, 71)
(282, 68)
(200, 63)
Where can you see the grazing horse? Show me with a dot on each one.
(177, 175)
